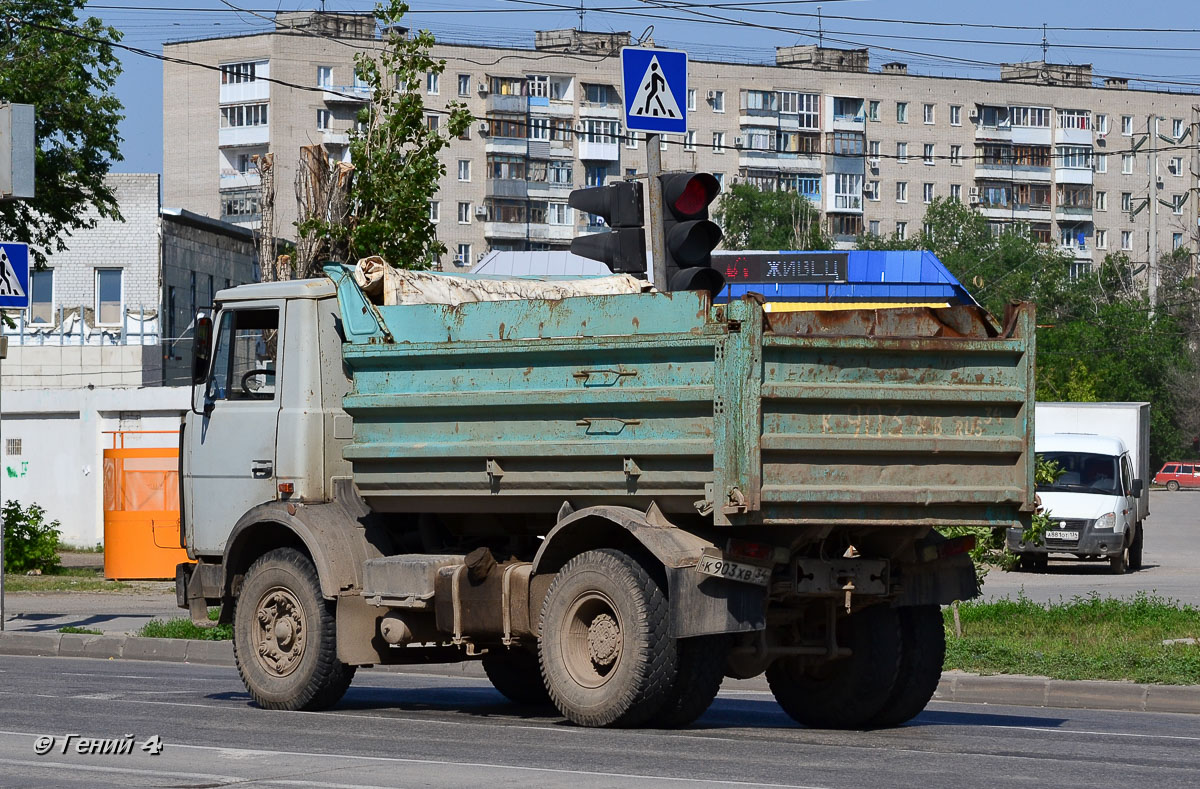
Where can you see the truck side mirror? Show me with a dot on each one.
(201, 349)
(1138, 486)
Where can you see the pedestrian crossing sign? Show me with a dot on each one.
(14, 275)
(654, 86)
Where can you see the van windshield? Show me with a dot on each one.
(1084, 472)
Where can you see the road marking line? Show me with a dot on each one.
(131, 770)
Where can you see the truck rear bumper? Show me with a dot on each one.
(1091, 543)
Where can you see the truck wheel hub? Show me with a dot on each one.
(280, 636)
(604, 640)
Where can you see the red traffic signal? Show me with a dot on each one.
(689, 235)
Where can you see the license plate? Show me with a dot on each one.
(734, 571)
(1062, 535)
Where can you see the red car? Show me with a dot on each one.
(1179, 475)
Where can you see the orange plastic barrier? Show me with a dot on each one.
(141, 510)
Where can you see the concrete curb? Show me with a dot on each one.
(954, 686)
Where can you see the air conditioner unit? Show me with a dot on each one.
(712, 95)
(873, 163)
(580, 126)
(483, 89)
(973, 195)
(481, 211)
(484, 128)
(737, 142)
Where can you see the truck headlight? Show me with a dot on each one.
(1106, 521)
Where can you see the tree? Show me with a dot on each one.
(753, 219)
(394, 156)
(66, 69)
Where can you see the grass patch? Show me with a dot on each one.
(1082, 638)
(184, 628)
(83, 631)
(64, 579)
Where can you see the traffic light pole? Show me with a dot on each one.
(658, 241)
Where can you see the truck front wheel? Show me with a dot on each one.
(284, 636)
(607, 655)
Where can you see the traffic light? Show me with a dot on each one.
(623, 248)
(690, 236)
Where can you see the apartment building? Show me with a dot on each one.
(1046, 145)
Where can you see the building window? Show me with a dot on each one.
(1127, 125)
(595, 176)
(238, 73)
(847, 191)
(562, 172)
(631, 140)
(1074, 119)
(596, 94)
(718, 143)
(847, 144)
(1074, 157)
(1177, 204)
(902, 191)
(1101, 239)
(689, 141)
(1177, 129)
(1176, 240)
(720, 179)
(718, 101)
(956, 155)
(323, 119)
(1100, 162)
(463, 256)
(902, 152)
(325, 76)
(807, 109)
(691, 99)
(956, 192)
(539, 128)
(1175, 167)
(872, 191)
(664, 141)
(955, 115)
(762, 100)
(759, 140)
(603, 132)
(902, 230)
(1101, 200)
(464, 84)
(927, 193)
(464, 213)
(927, 113)
(1126, 240)
(1072, 196)
(902, 112)
(994, 118)
(432, 82)
(538, 85)
(927, 156)
(243, 115)
(464, 169)
(506, 166)
(435, 211)
(873, 152)
(1101, 123)
(873, 227)
(41, 296)
(873, 114)
(560, 214)
(240, 205)
(1030, 117)
(108, 295)
(1126, 164)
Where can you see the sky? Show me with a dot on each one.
(1156, 45)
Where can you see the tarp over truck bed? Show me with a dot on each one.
(908, 417)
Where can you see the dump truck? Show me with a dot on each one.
(613, 501)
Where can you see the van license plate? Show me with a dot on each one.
(1062, 535)
(734, 571)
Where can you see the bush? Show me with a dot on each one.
(30, 543)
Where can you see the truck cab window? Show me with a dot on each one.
(1127, 475)
(245, 361)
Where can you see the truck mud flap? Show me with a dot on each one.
(704, 605)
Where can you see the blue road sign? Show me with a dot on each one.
(654, 84)
(14, 275)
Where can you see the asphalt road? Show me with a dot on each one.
(401, 730)
(1171, 562)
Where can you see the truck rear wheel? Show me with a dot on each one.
(607, 655)
(1135, 549)
(849, 692)
(516, 674)
(701, 667)
(922, 653)
(284, 636)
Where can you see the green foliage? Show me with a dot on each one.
(1045, 472)
(1083, 638)
(30, 543)
(753, 219)
(395, 155)
(69, 81)
(82, 631)
(185, 628)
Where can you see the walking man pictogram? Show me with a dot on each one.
(657, 83)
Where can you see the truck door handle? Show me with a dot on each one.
(261, 469)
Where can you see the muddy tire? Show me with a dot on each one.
(606, 652)
(284, 636)
(849, 692)
(701, 667)
(922, 653)
(517, 675)
(1135, 549)
(1119, 564)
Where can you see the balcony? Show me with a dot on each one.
(855, 123)
(591, 109)
(346, 94)
(243, 135)
(788, 162)
(553, 233)
(514, 105)
(510, 231)
(1073, 213)
(335, 138)
(1031, 135)
(545, 189)
(234, 180)
(996, 211)
(1073, 136)
(1072, 175)
(512, 145)
(233, 93)
(558, 109)
(599, 151)
(1002, 132)
(1029, 212)
(507, 187)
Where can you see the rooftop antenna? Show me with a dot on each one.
(820, 29)
(1045, 45)
(582, 11)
